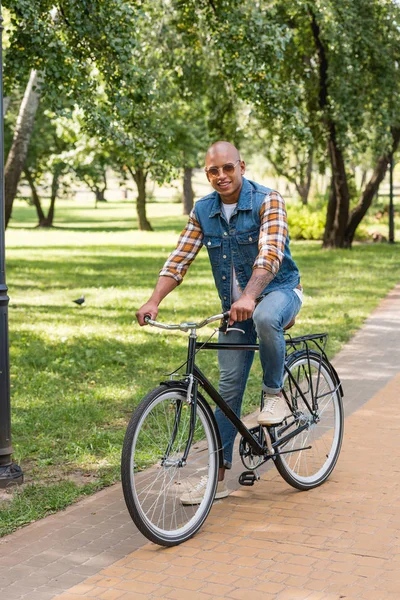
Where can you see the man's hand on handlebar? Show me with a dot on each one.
(149, 309)
(242, 309)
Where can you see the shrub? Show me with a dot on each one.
(306, 222)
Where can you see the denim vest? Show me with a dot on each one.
(237, 241)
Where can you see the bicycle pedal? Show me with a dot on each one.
(248, 478)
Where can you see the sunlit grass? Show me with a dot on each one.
(78, 372)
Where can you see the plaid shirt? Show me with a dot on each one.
(271, 243)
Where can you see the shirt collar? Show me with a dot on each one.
(244, 201)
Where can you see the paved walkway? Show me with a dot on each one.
(341, 540)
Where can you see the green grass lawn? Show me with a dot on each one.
(77, 373)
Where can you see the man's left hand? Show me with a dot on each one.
(242, 309)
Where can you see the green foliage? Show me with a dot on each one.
(306, 222)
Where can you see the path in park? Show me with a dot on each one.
(341, 540)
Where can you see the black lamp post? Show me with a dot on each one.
(10, 473)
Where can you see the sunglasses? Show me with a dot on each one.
(228, 169)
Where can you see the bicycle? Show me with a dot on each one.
(172, 443)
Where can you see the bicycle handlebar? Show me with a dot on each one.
(185, 326)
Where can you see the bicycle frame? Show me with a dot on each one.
(196, 376)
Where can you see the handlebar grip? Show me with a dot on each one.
(147, 318)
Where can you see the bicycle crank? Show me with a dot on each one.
(268, 441)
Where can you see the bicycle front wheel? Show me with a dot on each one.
(310, 456)
(158, 487)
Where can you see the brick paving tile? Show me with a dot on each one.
(245, 583)
(373, 595)
(184, 584)
(183, 595)
(149, 577)
(217, 567)
(131, 596)
(203, 574)
(111, 595)
(82, 589)
(217, 589)
(136, 586)
(269, 586)
(293, 594)
(316, 585)
(244, 595)
(296, 581)
(40, 595)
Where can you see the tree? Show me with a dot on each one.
(45, 159)
(91, 47)
(290, 159)
(84, 155)
(19, 147)
(308, 76)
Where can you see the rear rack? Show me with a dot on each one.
(302, 342)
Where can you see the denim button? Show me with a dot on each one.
(224, 256)
(250, 239)
(209, 244)
(224, 297)
(223, 277)
(225, 233)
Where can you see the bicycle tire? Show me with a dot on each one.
(152, 490)
(308, 468)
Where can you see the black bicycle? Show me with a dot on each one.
(172, 444)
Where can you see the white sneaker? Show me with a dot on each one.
(196, 494)
(274, 412)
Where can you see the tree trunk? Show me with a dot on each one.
(336, 235)
(330, 216)
(188, 195)
(140, 176)
(35, 197)
(303, 187)
(100, 195)
(19, 147)
(359, 212)
(55, 184)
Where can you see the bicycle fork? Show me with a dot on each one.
(191, 398)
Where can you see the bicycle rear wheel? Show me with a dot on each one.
(317, 447)
(153, 480)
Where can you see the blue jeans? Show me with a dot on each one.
(271, 315)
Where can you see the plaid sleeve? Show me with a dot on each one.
(273, 233)
(189, 243)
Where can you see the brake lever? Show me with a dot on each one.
(224, 324)
(224, 328)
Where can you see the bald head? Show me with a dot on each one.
(222, 150)
(224, 170)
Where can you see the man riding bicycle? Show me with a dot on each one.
(243, 225)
